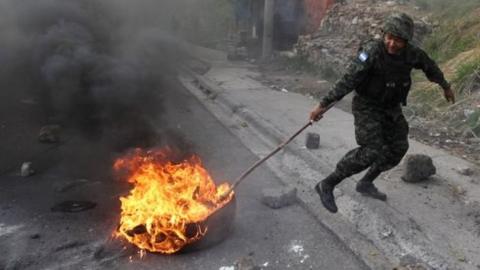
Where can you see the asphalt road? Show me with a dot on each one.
(34, 237)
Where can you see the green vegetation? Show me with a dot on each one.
(455, 45)
(458, 27)
(448, 8)
(473, 121)
(464, 71)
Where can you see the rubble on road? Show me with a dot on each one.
(276, 198)
(418, 168)
(26, 169)
(409, 262)
(49, 134)
(467, 171)
(246, 263)
(73, 206)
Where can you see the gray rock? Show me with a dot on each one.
(467, 171)
(26, 169)
(276, 198)
(418, 168)
(49, 134)
(355, 20)
(246, 264)
(313, 140)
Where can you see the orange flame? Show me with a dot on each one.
(169, 201)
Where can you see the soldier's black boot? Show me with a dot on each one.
(366, 187)
(325, 189)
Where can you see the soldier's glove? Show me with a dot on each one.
(449, 95)
(317, 113)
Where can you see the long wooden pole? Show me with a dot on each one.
(280, 147)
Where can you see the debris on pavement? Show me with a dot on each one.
(246, 263)
(467, 171)
(313, 140)
(410, 262)
(49, 134)
(296, 247)
(111, 250)
(457, 190)
(411, 267)
(418, 168)
(386, 233)
(26, 169)
(73, 206)
(35, 236)
(71, 185)
(70, 245)
(276, 198)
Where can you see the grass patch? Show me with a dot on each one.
(457, 32)
(448, 8)
(458, 27)
(466, 70)
(448, 41)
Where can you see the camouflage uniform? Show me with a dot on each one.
(381, 82)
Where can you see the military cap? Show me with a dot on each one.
(399, 24)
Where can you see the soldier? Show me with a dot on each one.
(380, 76)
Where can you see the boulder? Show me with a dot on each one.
(418, 168)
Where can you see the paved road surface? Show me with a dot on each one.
(33, 237)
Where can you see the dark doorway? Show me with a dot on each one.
(289, 23)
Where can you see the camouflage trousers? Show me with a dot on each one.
(382, 136)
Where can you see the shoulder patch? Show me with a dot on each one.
(363, 56)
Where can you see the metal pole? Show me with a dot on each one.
(267, 29)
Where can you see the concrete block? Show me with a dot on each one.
(276, 198)
(418, 168)
(313, 140)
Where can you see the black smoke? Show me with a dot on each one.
(95, 66)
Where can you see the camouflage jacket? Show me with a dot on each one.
(361, 69)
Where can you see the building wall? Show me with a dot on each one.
(315, 11)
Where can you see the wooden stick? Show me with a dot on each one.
(280, 147)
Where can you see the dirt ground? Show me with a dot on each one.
(280, 75)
